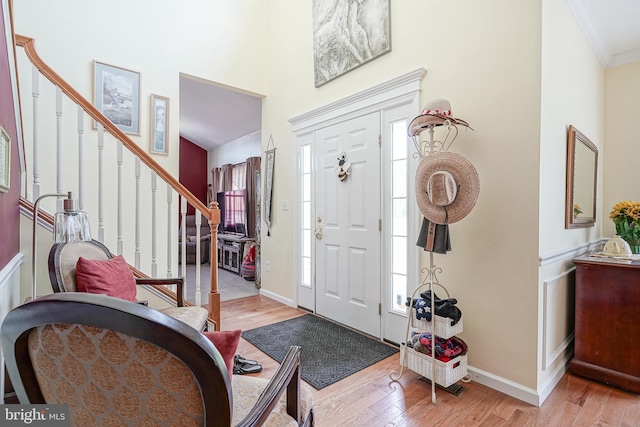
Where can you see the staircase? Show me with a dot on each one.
(135, 206)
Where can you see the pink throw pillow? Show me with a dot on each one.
(110, 277)
(227, 343)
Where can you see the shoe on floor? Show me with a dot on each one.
(242, 366)
(239, 359)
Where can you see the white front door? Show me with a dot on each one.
(348, 263)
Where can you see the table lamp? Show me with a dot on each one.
(69, 225)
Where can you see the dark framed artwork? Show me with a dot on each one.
(116, 93)
(347, 34)
(159, 143)
(270, 158)
(5, 160)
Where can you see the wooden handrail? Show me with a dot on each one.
(212, 212)
(28, 44)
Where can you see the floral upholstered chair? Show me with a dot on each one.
(115, 362)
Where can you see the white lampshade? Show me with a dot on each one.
(71, 224)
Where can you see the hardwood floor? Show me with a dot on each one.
(370, 398)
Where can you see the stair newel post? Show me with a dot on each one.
(214, 293)
(198, 294)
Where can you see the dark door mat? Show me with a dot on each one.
(330, 352)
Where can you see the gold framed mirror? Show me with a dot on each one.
(582, 175)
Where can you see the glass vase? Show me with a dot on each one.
(623, 230)
(634, 244)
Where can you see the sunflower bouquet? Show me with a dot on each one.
(626, 217)
(577, 210)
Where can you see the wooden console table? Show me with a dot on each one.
(230, 251)
(607, 348)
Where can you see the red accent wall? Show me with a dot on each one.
(193, 172)
(9, 208)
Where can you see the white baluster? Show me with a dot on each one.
(169, 230)
(183, 240)
(81, 176)
(137, 213)
(120, 186)
(59, 147)
(100, 183)
(154, 260)
(35, 95)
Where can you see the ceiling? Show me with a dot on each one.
(612, 28)
(212, 115)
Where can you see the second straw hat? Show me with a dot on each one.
(447, 187)
(437, 112)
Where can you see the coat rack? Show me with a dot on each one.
(424, 148)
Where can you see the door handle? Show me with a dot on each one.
(318, 230)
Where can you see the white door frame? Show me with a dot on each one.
(403, 90)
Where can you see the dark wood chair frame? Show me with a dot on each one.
(138, 321)
(57, 281)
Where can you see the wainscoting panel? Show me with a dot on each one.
(9, 298)
(558, 312)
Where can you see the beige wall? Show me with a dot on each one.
(621, 115)
(217, 40)
(508, 68)
(572, 93)
(485, 58)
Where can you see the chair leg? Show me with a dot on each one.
(309, 421)
(293, 396)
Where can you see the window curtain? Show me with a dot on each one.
(237, 177)
(238, 180)
(227, 177)
(252, 166)
(222, 179)
(216, 181)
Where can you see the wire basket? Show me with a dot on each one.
(443, 328)
(446, 373)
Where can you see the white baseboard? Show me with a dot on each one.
(518, 391)
(279, 298)
(504, 385)
(554, 379)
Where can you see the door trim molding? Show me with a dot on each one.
(402, 90)
(368, 99)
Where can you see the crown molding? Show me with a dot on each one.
(592, 31)
(624, 58)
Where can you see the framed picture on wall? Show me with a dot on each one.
(5, 160)
(270, 156)
(117, 96)
(348, 34)
(159, 143)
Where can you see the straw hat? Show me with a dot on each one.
(447, 187)
(435, 113)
